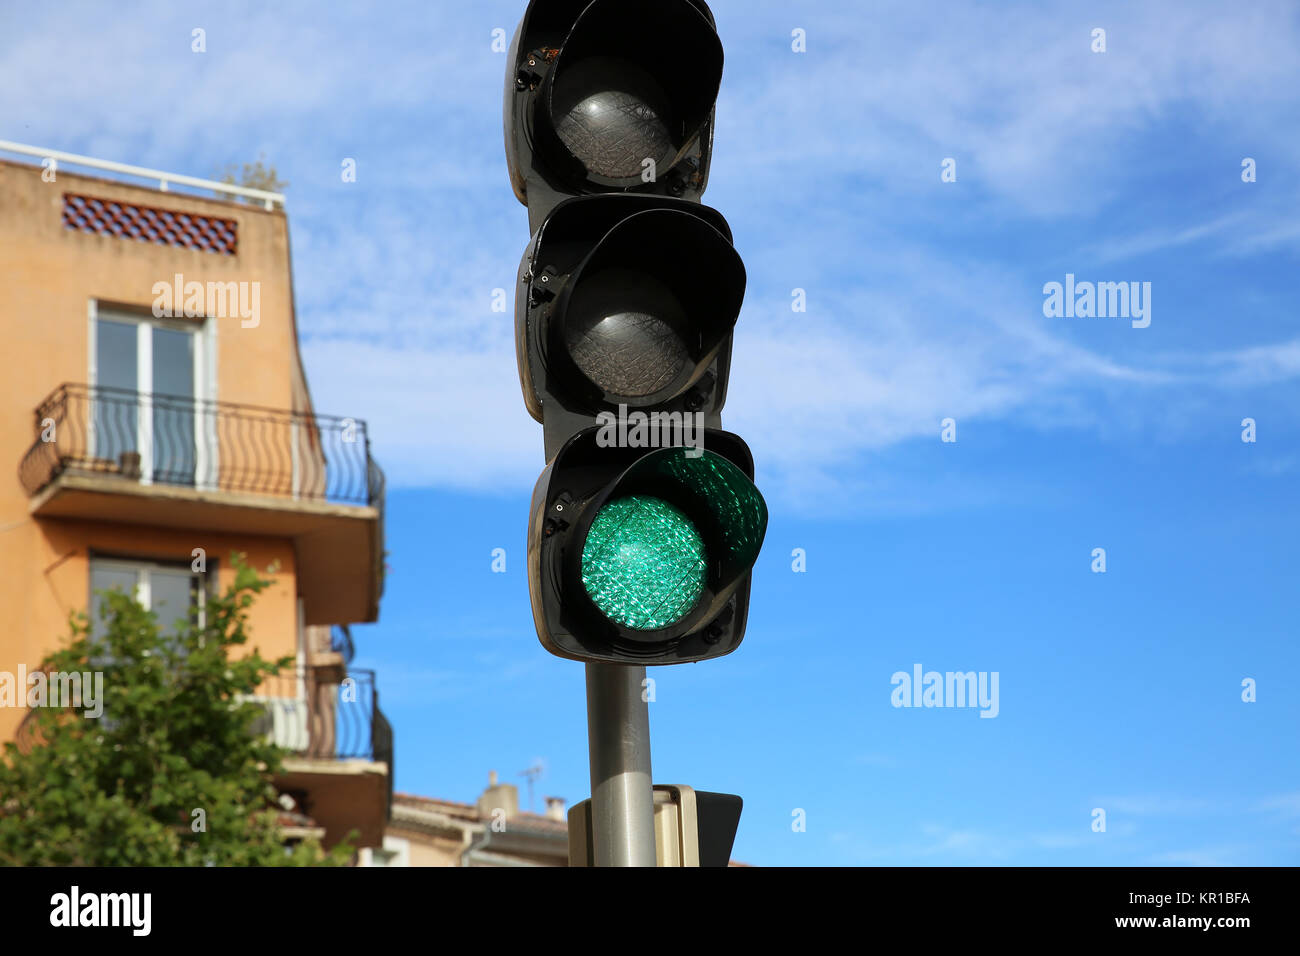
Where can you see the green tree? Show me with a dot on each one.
(255, 175)
(175, 738)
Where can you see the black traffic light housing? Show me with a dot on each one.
(626, 300)
(712, 486)
(610, 96)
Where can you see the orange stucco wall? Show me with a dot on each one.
(46, 569)
(48, 276)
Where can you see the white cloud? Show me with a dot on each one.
(1227, 855)
(1287, 804)
(1156, 805)
(1015, 94)
(438, 418)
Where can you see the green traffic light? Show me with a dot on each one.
(643, 563)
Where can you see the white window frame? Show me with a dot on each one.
(204, 331)
(144, 584)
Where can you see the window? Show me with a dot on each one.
(151, 378)
(173, 592)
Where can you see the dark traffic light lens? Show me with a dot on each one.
(612, 115)
(623, 331)
(643, 563)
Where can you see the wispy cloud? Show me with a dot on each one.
(1225, 855)
(1131, 247)
(1286, 804)
(1150, 805)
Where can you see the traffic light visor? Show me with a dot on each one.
(729, 508)
(641, 554)
(646, 311)
(634, 80)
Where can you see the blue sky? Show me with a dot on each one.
(1119, 691)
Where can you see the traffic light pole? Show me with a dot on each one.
(622, 795)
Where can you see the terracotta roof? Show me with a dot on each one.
(541, 825)
(416, 799)
(524, 820)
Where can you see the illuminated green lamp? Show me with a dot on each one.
(643, 563)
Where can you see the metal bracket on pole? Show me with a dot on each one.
(692, 827)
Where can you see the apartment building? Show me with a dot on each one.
(157, 418)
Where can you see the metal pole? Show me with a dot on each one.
(618, 737)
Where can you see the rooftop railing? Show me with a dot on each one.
(164, 179)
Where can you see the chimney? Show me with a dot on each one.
(555, 808)
(498, 796)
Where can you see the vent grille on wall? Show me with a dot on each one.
(166, 227)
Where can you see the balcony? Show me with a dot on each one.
(339, 765)
(339, 749)
(108, 454)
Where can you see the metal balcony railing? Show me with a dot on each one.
(207, 445)
(341, 642)
(306, 717)
(323, 720)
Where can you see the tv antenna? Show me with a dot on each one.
(531, 775)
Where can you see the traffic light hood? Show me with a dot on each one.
(701, 503)
(626, 301)
(605, 95)
(642, 316)
(713, 490)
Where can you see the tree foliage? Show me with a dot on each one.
(175, 738)
(255, 175)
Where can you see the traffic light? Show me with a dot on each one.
(646, 523)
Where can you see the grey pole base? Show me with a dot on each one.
(622, 795)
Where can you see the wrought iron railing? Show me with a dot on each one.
(341, 642)
(310, 718)
(222, 446)
(305, 716)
